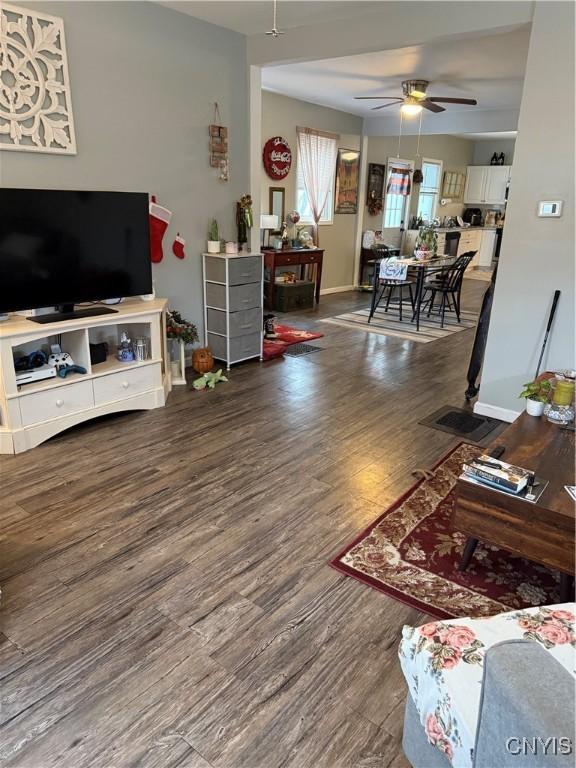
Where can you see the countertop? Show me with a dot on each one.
(461, 229)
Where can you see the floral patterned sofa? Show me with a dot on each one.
(491, 692)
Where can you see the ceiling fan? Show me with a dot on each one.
(415, 99)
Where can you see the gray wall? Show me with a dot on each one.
(455, 153)
(144, 79)
(483, 150)
(537, 254)
(280, 117)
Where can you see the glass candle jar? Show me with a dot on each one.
(561, 410)
(563, 392)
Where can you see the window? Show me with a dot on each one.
(303, 203)
(429, 189)
(322, 149)
(395, 205)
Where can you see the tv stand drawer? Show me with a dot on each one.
(56, 402)
(132, 381)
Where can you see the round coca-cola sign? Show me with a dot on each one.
(277, 157)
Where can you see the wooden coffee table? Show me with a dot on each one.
(542, 532)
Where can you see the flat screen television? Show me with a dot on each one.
(60, 248)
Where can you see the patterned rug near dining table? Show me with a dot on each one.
(389, 324)
(411, 553)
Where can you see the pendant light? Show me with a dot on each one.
(275, 32)
(418, 176)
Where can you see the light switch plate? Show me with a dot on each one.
(550, 208)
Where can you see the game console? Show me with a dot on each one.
(35, 374)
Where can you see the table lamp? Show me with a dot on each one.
(270, 222)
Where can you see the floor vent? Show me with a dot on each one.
(457, 421)
(297, 350)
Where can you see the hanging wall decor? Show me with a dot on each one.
(277, 158)
(35, 106)
(219, 145)
(375, 191)
(347, 172)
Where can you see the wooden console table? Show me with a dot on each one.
(297, 257)
(542, 532)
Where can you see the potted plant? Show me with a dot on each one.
(213, 237)
(426, 243)
(179, 332)
(536, 393)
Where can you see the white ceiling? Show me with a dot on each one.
(488, 68)
(255, 16)
(488, 136)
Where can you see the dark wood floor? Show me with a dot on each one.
(166, 594)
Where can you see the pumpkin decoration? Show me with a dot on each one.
(202, 360)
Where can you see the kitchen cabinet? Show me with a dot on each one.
(497, 180)
(470, 241)
(486, 184)
(487, 248)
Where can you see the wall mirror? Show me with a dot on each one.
(276, 203)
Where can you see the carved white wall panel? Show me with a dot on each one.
(35, 106)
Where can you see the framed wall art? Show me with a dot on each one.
(35, 103)
(453, 185)
(347, 173)
(375, 188)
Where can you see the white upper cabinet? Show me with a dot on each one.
(486, 184)
(475, 184)
(497, 179)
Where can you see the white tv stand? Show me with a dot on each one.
(33, 412)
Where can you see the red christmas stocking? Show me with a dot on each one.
(178, 246)
(159, 220)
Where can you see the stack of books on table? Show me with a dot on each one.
(497, 474)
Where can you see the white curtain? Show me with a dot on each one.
(317, 152)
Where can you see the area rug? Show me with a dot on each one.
(388, 324)
(286, 335)
(411, 554)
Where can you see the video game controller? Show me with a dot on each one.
(64, 364)
(64, 371)
(60, 360)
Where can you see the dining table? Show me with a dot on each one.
(424, 269)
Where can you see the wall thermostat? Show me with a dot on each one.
(550, 208)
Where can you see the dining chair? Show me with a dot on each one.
(449, 285)
(380, 286)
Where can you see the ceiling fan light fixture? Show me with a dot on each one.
(415, 88)
(410, 108)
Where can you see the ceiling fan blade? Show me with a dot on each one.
(427, 104)
(380, 98)
(437, 99)
(392, 104)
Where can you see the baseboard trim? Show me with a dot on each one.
(339, 289)
(495, 412)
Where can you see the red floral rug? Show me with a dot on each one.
(286, 336)
(411, 553)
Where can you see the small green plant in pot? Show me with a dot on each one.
(536, 394)
(213, 237)
(427, 243)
